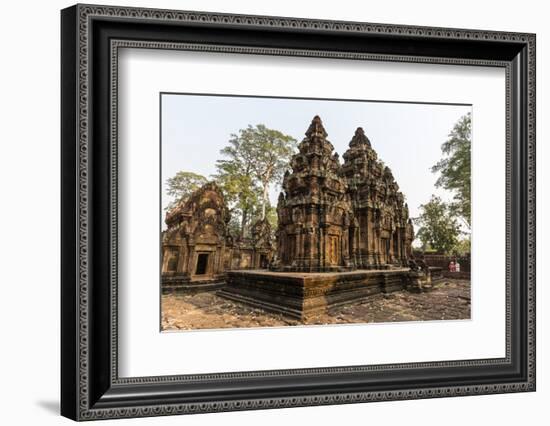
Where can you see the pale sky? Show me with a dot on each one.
(406, 136)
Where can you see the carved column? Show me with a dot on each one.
(182, 257)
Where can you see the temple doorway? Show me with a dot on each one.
(202, 264)
(333, 254)
(395, 247)
(264, 263)
(386, 245)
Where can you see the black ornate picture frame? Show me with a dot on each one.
(91, 387)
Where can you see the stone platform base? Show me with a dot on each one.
(182, 283)
(305, 295)
(436, 273)
(457, 275)
(420, 281)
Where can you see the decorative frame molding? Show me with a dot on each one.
(91, 37)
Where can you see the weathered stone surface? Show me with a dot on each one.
(302, 295)
(194, 245)
(384, 231)
(197, 248)
(335, 217)
(332, 220)
(344, 234)
(447, 300)
(314, 209)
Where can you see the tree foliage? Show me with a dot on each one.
(236, 179)
(182, 185)
(270, 151)
(438, 227)
(272, 219)
(253, 159)
(455, 168)
(462, 248)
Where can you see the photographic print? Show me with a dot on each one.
(290, 211)
(363, 194)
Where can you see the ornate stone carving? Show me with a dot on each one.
(384, 232)
(194, 244)
(197, 248)
(314, 209)
(262, 243)
(340, 217)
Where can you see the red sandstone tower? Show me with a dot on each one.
(316, 223)
(335, 217)
(385, 230)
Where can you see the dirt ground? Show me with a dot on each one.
(448, 300)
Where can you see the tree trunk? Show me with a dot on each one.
(264, 199)
(243, 222)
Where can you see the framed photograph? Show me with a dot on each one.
(263, 212)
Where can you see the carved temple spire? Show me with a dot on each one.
(359, 139)
(316, 128)
(315, 213)
(378, 205)
(316, 152)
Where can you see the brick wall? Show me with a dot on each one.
(443, 261)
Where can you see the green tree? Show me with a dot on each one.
(462, 248)
(235, 177)
(455, 168)
(254, 159)
(272, 218)
(182, 185)
(272, 151)
(270, 215)
(266, 151)
(438, 228)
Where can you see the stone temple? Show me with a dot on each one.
(343, 234)
(197, 248)
(336, 217)
(316, 225)
(384, 231)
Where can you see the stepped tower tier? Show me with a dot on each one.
(385, 231)
(316, 228)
